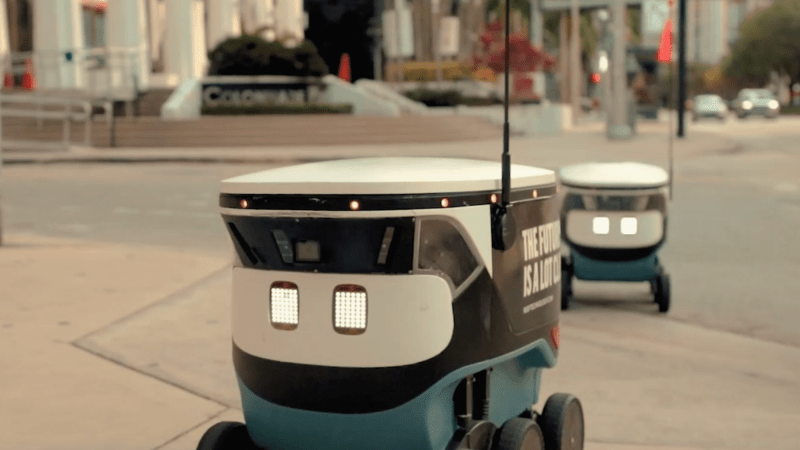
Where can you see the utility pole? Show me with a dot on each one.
(619, 128)
(437, 54)
(1, 170)
(575, 61)
(398, 33)
(563, 56)
(681, 65)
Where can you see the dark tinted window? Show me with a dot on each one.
(443, 249)
(323, 244)
(614, 202)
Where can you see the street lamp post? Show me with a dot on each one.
(437, 54)
(619, 128)
(575, 61)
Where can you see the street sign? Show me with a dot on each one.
(654, 17)
(449, 32)
(390, 34)
(561, 5)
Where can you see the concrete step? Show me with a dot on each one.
(255, 131)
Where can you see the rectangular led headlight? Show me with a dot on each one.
(350, 309)
(629, 225)
(601, 225)
(284, 305)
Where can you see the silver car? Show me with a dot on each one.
(756, 102)
(709, 105)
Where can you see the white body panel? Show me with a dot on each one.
(629, 175)
(409, 319)
(386, 176)
(475, 221)
(650, 229)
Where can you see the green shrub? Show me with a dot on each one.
(791, 110)
(426, 71)
(252, 55)
(448, 98)
(435, 98)
(309, 108)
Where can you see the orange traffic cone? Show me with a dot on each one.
(344, 67)
(29, 80)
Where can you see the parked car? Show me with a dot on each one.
(709, 105)
(756, 102)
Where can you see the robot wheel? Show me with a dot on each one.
(226, 436)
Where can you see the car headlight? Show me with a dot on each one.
(747, 104)
(629, 225)
(600, 225)
(773, 104)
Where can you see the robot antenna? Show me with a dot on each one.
(503, 227)
(506, 161)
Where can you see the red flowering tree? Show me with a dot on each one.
(523, 57)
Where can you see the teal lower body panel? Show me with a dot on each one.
(426, 423)
(645, 269)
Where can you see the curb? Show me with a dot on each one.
(166, 159)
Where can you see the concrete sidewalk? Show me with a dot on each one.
(112, 347)
(587, 141)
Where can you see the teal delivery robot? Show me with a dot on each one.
(614, 222)
(395, 304)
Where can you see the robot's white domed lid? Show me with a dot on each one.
(387, 176)
(625, 175)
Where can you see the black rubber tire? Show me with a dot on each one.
(226, 436)
(519, 434)
(566, 284)
(562, 423)
(663, 293)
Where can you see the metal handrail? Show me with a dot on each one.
(116, 64)
(84, 113)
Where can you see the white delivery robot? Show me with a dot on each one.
(614, 220)
(395, 303)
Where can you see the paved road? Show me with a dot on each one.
(733, 249)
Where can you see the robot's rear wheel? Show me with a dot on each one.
(662, 293)
(226, 436)
(562, 423)
(519, 434)
(566, 284)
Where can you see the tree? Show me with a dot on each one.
(769, 41)
(252, 55)
(523, 57)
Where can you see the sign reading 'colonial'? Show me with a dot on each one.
(238, 92)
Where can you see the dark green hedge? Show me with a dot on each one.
(252, 55)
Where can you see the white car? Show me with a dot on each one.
(709, 105)
(756, 102)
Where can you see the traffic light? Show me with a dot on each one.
(595, 78)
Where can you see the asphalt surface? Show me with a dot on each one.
(732, 248)
(122, 338)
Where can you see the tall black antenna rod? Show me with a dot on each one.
(506, 161)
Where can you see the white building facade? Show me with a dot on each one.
(80, 44)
